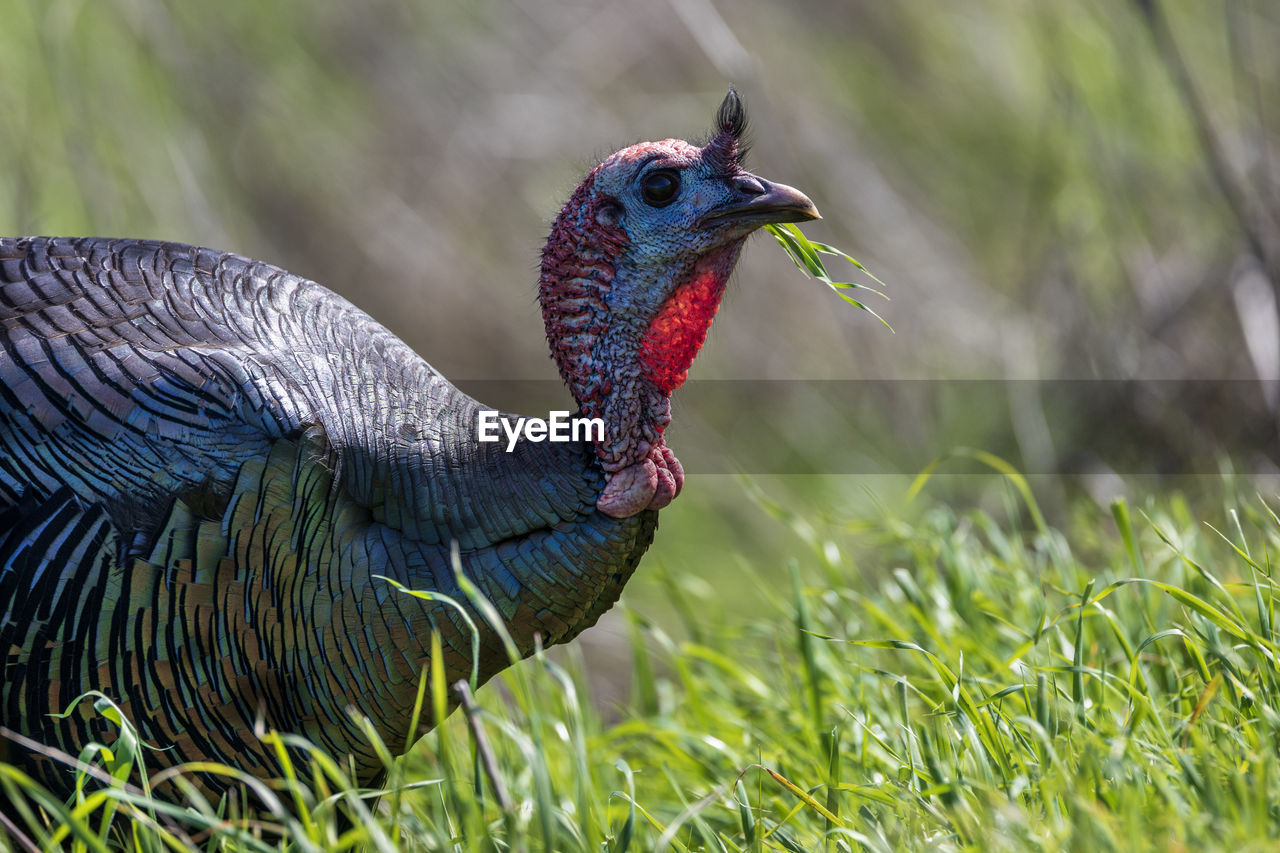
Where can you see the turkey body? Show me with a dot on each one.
(213, 473)
(206, 463)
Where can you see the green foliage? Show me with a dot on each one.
(807, 255)
(965, 684)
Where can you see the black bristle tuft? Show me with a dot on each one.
(731, 118)
(727, 148)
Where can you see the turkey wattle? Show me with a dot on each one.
(205, 462)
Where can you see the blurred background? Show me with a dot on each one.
(1074, 207)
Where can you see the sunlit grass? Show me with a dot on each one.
(807, 255)
(925, 679)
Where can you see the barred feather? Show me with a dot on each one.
(204, 462)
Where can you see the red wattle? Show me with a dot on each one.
(678, 330)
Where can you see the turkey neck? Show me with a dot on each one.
(624, 334)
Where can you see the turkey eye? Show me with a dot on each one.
(660, 188)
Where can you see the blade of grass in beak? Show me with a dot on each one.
(806, 255)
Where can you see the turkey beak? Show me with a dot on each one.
(760, 202)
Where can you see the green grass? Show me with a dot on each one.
(807, 255)
(926, 678)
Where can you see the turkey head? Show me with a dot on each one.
(632, 275)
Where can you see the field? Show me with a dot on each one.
(920, 677)
(1075, 208)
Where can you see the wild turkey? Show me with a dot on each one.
(205, 462)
